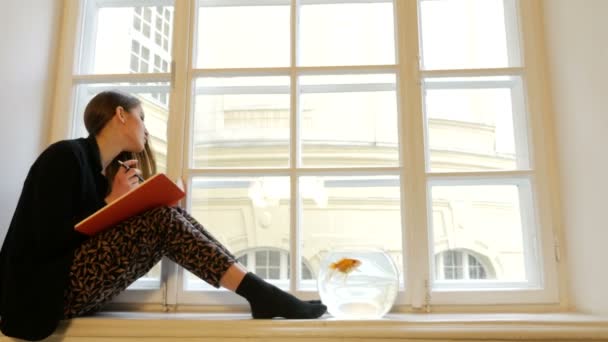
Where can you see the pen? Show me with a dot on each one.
(141, 179)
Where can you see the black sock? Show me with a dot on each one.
(268, 301)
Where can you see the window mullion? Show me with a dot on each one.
(475, 175)
(521, 128)
(295, 228)
(512, 31)
(115, 78)
(177, 122)
(89, 27)
(481, 72)
(133, 3)
(62, 118)
(413, 178)
(465, 266)
(542, 146)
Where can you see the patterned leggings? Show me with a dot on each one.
(110, 261)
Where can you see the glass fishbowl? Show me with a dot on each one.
(358, 283)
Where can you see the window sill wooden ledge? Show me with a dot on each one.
(129, 326)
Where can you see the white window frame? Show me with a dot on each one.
(418, 294)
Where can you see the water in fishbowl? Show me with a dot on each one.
(358, 284)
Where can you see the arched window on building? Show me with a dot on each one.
(270, 263)
(461, 264)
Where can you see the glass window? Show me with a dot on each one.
(347, 34)
(166, 29)
(137, 23)
(475, 124)
(159, 23)
(157, 62)
(242, 36)
(466, 34)
(109, 34)
(241, 122)
(245, 213)
(135, 47)
(459, 265)
(271, 263)
(343, 211)
(145, 54)
(489, 218)
(367, 102)
(134, 63)
(148, 14)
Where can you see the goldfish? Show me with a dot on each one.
(344, 266)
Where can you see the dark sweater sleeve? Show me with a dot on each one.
(55, 187)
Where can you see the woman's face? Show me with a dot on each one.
(137, 134)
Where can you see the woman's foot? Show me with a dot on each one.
(268, 301)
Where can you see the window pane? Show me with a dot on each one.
(135, 47)
(349, 211)
(278, 260)
(148, 13)
(274, 258)
(306, 273)
(136, 23)
(349, 120)
(134, 63)
(262, 272)
(148, 281)
(347, 34)
(471, 124)
(242, 36)
(476, 269)
(241, 122)
(145, 54)
(468, 34)
(488, 220)
(452, 265)
(156, 114)
(243, 213)
(274, 273)
(108, 35)
(261, 258)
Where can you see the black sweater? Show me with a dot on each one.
(63, 186)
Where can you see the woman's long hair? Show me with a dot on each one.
(98, 113)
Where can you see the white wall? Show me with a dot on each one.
(577, 39)
(28, 36)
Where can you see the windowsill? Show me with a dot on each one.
(235, 326)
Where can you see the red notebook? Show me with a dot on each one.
(156, 191)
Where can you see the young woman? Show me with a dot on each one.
(50, 272)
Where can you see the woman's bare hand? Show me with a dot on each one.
(124, 180)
